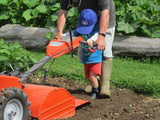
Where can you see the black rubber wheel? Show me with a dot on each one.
(14, 104)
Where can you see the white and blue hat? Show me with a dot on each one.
(86, 21)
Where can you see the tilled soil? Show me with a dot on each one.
(123, 104)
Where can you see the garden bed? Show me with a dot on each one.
(123, 104)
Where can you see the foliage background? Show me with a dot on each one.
(14, 55)
(134, 17)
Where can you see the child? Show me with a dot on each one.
(88, 29)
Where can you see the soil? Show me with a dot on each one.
(123, 104)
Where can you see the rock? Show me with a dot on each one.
(97, 119)
(116, 115)
(88, 89)
(34, 37)
(28, 37)
(146, 116)
(136, 46)
(126, 110)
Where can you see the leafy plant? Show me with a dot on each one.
(133, 17)
(72, 16)
(15, 55)
(141, 17)
(42, 13)
(50, 35)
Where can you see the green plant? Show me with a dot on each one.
(140, 17)
(72, 17)
(15, 55)
(42, 13)
(50, 35)
(39, 13)
(133, 17)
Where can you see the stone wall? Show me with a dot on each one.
(33, 37)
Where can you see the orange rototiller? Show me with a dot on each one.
(18, 100)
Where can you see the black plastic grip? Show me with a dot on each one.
(91, 49)
(85, 42)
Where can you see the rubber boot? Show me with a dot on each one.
(105, 79)
(94, 93)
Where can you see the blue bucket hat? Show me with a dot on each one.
(86, 21)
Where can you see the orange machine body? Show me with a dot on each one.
(9, 81)
(61, 46)
(48, 103)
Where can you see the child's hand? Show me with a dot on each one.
(90, 42)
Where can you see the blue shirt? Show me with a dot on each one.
(88, 57)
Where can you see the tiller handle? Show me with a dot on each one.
(92, 48)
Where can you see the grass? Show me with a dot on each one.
(141, 75)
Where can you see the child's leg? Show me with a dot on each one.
(94, 83)
(93, 79)
(91, 72)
